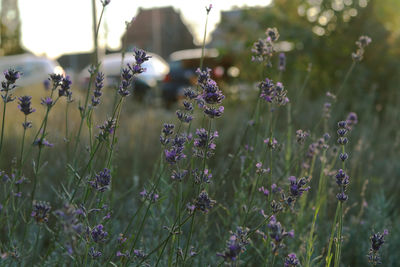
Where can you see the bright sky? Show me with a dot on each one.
(55, 27)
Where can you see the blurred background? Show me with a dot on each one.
(317, 36)
(56, 36)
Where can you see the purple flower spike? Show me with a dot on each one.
(25, 105)
(291, 260)
(47, 101)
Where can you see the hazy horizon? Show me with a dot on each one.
(54, 33)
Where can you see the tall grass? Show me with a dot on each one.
(259, 173)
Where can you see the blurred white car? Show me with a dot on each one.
(156, 69)
(34, 69)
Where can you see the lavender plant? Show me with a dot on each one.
(178, 214)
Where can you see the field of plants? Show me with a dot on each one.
(89, 177)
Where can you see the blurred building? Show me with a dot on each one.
(229, 23)
(159, 30)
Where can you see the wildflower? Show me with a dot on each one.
(296, 188)
(204, 144)
(275, 188)
(139, 253)
(106, 129)
(327, 110)
(102, 180)
(122, 239)
(179, 175)
(25, 105)
(11, 76)
(273, 93)
(190, 208)
(263, 190)
(42, 142)
(97, 234)
(291, 260)
(301, 136)
(168, 129)
(203, 202)
(188, 106)
(189, 93)
(263, 49)
(351, 120)
(377, 240)
(277, 234)
(105, 2)
(173, 155)
(260, 50)
(152, 196)
(175, 152)
(56, 79)
(98, 85)
(362, 43)
(343, 156)
(208, 9)
(341, 178)
(140, 56)
(65, 87)
(272, 33)
(204, 177)
(69, 217)
(120, 254)
(276, 207)
(46, 84)
(126, 81)
(211, 95)
(260, 170)
(272, 143)
(282, 62)
(94, 254)
(47, 102)
(184, 117)
(214, 112)
(236, 244)
(41, 211)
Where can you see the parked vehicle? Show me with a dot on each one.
(111, 64)
(183, 66)
(34, 69)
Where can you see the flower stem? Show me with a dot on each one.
(3, 121)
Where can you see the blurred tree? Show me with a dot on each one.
(321, 32)
(10, 28)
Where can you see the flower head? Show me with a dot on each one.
(377, 240)
(25, 105)
(48, 101)
(236, 244)
(291, 260)
(65, 87)
(11, 76)
(98, 234)
(106, 129)
(41, 211)
(203, 202)
(273, 93)
(102, 180)
(98, 85)
(362, 43)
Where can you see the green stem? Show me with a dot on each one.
(339, 235)
(3, 121)
(37, 166)
(328, 258)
